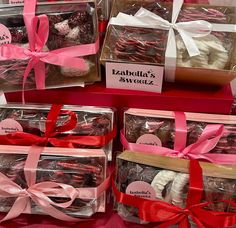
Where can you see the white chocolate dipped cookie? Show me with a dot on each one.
(63, 27)
(76, 72)
(177, 188)
(160, 181)
(212, 53)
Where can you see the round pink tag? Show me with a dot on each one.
(141, 189)
(149, 139)
(5, 35)
(8, 126)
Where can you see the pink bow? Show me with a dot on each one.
(39, 192)
(198, 150)
(38, 31)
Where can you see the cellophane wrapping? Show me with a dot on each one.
(82, 169)
(127, 44)
(91, 121)
(70, 24)
(141, 123)
(170, 186)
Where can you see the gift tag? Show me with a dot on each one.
(134, 77)
(5, 35)
(8, 126)
(149, 139)
(16, 1)
(141, 189)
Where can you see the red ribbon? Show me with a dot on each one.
(52, 131)
(102, 25)
(165, 214)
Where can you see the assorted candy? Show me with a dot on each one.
(84, 166)
(141, 37)
(137, 45)
(137, 125)
(91, 121)
(70, 24)
(79, 171)
(169, 184)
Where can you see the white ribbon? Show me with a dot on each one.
(187, 30)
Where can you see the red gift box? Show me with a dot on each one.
(174, 97)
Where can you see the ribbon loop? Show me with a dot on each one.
(23, 193)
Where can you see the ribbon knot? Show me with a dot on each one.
(173, 25)
(35, 54)
(24, 193)
(186, 211)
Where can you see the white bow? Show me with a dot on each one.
(187, 30)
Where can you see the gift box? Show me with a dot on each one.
(94, 127)
(161, 189)
(140, 46)
(62, 49)
(103, 10)
(189, 135)
(81, 171)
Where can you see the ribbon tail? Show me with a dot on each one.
(20, 205)
(25, 76)
(40, 72)
(189, 43)
(170, 57)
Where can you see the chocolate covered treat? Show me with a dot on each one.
(152, 122)
(140, 32)
(167, 179)
(91, 121)
(81, 169)
(70, 25)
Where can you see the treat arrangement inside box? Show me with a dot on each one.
(143, 39)
(91, 121)
(63, 163)
(79, 168)
(158, 128)
(167, 179)
(71, 25)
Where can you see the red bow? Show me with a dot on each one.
(166, 214)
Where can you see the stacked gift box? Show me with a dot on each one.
(149, 142)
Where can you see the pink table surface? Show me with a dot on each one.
(108, 220)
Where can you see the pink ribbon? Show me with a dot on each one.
(198, 150)
(38, 31)
(38, 192)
